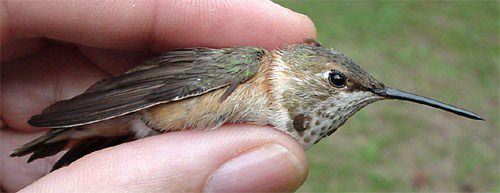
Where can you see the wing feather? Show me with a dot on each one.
(172, 76)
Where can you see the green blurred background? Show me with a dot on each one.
(444, 50)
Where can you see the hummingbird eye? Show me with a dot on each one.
(337, 79)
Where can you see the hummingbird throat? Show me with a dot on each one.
(311, 124)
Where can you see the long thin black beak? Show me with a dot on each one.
(392, 93)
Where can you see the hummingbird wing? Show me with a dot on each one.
(172, 76)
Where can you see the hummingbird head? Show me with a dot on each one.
(320, 88)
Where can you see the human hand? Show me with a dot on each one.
(54, 50)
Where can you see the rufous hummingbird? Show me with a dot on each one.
(304, 90)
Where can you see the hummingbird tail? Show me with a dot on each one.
(48, 145)
(79, 140)
(42, 146)
(87, 146)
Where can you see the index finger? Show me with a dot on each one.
(155, 24)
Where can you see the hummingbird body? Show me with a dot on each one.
(305, 90)
(283, 93)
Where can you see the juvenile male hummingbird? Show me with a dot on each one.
(304, 90)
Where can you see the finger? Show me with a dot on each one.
(231, 159)
(159, 24)
(31, 84)
(115, 62)
(20, 48)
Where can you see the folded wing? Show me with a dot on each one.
(172, 76)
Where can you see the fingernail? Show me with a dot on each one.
(271, 167)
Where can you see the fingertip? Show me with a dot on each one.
(268, 168)
(231, 23)
(300, 25)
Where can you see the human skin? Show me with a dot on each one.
(54, 50)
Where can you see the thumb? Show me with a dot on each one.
(231, 159)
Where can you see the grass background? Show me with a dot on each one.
(444, 50)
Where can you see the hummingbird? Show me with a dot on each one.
(305, 90)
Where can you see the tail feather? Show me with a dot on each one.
(48, 149)
(79, 140)
(37, 144)
(87, 146)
